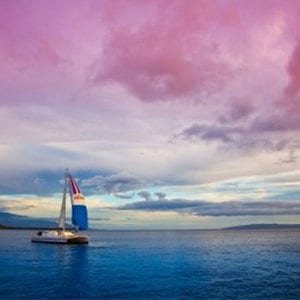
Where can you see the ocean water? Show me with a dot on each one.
(212, 264)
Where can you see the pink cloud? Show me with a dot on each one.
(289, 104)
(41, 44)
(188, 48)
(293, 70)
(152, 65)
(27, 33)
(166, 56)
(156, 50)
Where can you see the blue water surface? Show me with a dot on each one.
(212, 264)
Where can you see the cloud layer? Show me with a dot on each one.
(113, 184)
(204, 208)
(139, 98)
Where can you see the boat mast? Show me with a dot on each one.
(62, 216)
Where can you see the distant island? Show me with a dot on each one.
(20, 227)
(33, 227)
(263, 226)
(13, 221)
(3, 227)
(240, 227)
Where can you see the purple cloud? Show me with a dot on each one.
(238, 110)
(210, 133)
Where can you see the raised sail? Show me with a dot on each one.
(79, 211)
(62, 216)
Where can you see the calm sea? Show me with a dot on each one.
(228, 264)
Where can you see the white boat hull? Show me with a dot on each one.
(59, 237)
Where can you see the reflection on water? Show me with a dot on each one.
(72, 263)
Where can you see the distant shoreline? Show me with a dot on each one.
(27, 228)
(239, 227)
(263, 226)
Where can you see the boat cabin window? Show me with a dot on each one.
(39, 233)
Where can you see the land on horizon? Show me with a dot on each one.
(238, 227)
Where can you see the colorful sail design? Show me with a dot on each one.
(79, 211)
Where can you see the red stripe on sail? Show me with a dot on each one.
(74, 186)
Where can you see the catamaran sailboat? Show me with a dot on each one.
(79, 218)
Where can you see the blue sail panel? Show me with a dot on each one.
(79, 210)
(80, 217)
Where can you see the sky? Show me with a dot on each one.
(170, 114)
